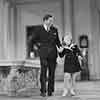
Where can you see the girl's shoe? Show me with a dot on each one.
(65, 93)
(72, 91)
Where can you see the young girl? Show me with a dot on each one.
(71, 65)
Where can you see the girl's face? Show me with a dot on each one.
(67, 40)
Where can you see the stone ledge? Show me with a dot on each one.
(28, 63)
(12, 83)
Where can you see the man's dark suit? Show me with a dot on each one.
(48, 54)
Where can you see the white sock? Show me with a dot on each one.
(65, 92)
(72, 91)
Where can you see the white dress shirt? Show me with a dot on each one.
(46, 27)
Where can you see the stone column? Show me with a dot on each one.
(12, 31)
(4, 30)
(82, 26)
(67, 16)
(67, 23)
(1, 30)
(7, 34)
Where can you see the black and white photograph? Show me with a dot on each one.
(49, 49)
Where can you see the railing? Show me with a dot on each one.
(21, 74)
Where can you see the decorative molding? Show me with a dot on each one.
(23, 2)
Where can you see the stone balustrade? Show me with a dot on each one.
(19, 74)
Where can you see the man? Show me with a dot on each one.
(47, 36)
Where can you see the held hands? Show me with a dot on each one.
(60, 60)
(60, 49)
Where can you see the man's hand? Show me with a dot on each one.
(32, 55)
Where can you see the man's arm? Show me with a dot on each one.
(58, 40)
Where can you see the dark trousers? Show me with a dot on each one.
(50, 64)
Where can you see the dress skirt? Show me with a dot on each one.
(72, 64)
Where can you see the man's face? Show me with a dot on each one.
(49, 22)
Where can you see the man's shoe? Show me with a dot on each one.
(43, 94)
(49, 93)
(52, 90)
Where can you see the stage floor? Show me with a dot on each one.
(85, 91)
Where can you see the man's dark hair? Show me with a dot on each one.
(47, 16)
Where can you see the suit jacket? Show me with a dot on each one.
(48, 41)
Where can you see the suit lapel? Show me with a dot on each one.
(50, 30)
(44, 28)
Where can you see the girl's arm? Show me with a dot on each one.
(79, 52)
(80, 57)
